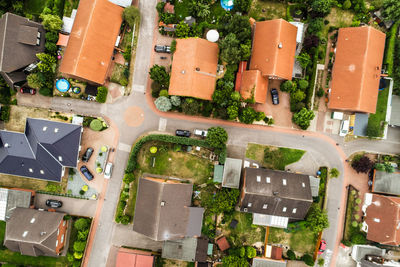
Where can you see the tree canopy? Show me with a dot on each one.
(51, 22)
(363, 164)
(391, 9)
(230, 49)
(217, 137)
(317, 219)
(303, 118)
(223, 201)
(130, 15)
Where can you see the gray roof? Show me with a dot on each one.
(232, 170)
(11, 199)
(360, 251)
(314, 184)
(360, 124)
(276, 193)
(187, 249)
(33, 232)
(386, 182)
(18, 37)
(42, 151)
(163, 210)
(395, 115)
(264, 262)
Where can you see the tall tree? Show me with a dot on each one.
(217, 137)
(391, 9)
(317, 219)
(303, 118)
(131, 14)
(230, 49)
(364, 164)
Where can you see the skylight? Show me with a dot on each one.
(33, 220)
(268, 180)
(284, 181)
(258, 178)
(25, 234)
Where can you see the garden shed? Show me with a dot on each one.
(232, 171)
(218, 173)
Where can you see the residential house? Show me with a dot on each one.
(163, 210)
(14, 198)
(272, 57)
(36, 233)
(190, 249)
(266, 262)
(382, 219)
(134, 258)
(194, 68)
(386, 182)
(20, 40)
(232, 171)
(275, 197)
(92, 40)
(357, 69)
(42, 151)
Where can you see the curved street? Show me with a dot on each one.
(137, 109)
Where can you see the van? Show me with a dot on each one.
(108, 170)
(344, 128)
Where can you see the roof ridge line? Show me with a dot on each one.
(364, 65)
(278, 41)
(4, 40)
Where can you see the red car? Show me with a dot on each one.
(25, 90)
(322, 247)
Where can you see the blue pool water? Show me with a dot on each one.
(227, 4)
(62, 85)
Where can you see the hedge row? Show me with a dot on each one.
(391, 42)
(131, 166)
(310, 88)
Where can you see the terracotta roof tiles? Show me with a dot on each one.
(254, 84)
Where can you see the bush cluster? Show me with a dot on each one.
(102, 92)
(82, 225)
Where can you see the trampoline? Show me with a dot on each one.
(76, 90)
(62, 85)
(227, 4)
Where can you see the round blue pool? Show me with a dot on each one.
(62, 85)
(227, 4)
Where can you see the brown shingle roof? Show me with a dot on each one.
(194, 68)
(267, 56)
(223, 243)
(383, 220)
(92, 39)
(357, 68)
(254, 84)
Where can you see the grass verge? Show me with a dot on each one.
(376, 121)
(301, 241)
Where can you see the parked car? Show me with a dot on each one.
(322, 247)
(202, 133)
(108, 170)
(87, 155)
(52, 203)
(162, 49)
(85, 171)
(275, 96)
(26, 90)
(183, 133)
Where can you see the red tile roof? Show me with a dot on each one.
(194, 68)
(126, 259)
(357, 68)
(92, 39)
(254, 85)
(223, 243)
(241, 69)
(274, 47)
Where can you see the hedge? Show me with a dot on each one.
(102, 92)
(310, 88)
(391, 42)
(131, 166)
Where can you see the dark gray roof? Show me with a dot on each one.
(42, 151)
(276, 193)
(395, 117)
(13, 78)
(264, 262)
(386, 182)
(33, 232)
(18, 46)
(360, 124)
(232, 171)
(163, 210)
(187, 249)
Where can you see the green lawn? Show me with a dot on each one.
(245, 232)
(302, 241)
(34, 7)
(272, 10)
(16, 258)
(273, 157)
(375, 121)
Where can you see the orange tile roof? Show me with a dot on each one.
(242, 68)
(254, 84)
(267, 56)
(126, 259)
(357, 68)
(194, 68)
(383, 219)
(92, 39)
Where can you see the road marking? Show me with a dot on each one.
(138, 88)
(162, 124)
(124, 147)
(328, 256)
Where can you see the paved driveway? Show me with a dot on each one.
(72, 206)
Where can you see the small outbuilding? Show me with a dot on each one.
(232, 171)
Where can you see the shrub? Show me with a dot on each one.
(5, 113)
(175, 100)
(320, 92)
(125, 219)
(163, 104)
(247, 115)
(308, 259)
(81, 224)
(78, 255)
(79, 246)
(334, 173)
(291, 255)
(102, 92)
(70, 257)
(363, 164)
(303, 84)
(164, 92)
(96, 125)
(287, 86)
(128, 178)
(217, 137)
(45, 91)
(303, 118)
(358, 238)
(130, 15)
(191, 106)
(321, 262)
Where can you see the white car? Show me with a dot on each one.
(202, 133)
(108, 170)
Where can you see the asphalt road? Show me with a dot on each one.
(72, 206)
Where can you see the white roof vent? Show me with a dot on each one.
(33, 220)
(245, 209)
(162, 203)
(280, 45)
(44, 128)
(249, 204)
(6, 145)
(377, 220)
(41, 171)
(183, 71)
(258, 178)
(56, 130)
(42, 233)
(25, 234)
(59, 158)
(30, 170)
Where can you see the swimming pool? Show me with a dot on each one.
(62, 85)
(227, 4)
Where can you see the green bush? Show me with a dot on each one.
(358, 238)
(102, 92)
(128, 178)
(308, 259)
(5, 113)
(79, 246)
(291, 255)
(81, 224)
(96, 125)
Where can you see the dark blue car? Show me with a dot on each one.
(85, 171)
